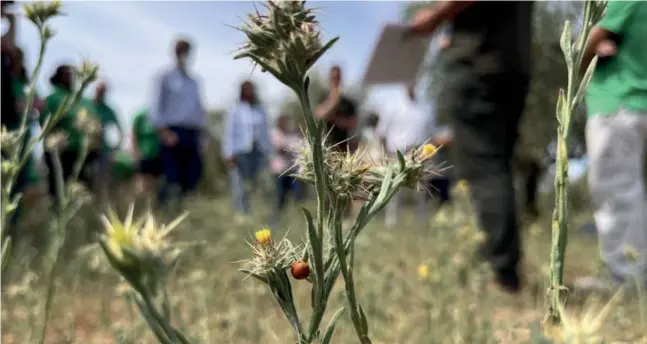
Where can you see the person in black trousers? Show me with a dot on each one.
(489, 63)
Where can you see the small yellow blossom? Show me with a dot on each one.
(263, 236)
(632, 254)
(423, 271)
(428, 151)
(535, 229)
(462, 185)
(120, 234)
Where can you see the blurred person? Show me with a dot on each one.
(371, 142)
(488, 60)
(339, 113)
(108, 119)
(616, 130)
(246, 144)
(146, 151)
(285, 140)
(179, 116)
(63, 83)
(408, 127)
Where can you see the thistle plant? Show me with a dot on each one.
(286, 42)
(16, 152)
(567, 102)
(139, 250)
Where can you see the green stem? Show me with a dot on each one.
(315, 141)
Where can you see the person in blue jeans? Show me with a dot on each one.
(179, 117)
(246, 144)
(284, 140)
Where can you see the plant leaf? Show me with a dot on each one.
(567, 45)
(331, 326)
(586, 79)
(316, 56)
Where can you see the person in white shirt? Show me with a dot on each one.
(178, 114)
(246, 144)
(285, 139)
(410, 126)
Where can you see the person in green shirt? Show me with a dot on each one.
(615, 138)
(108, 118)
(146, 147)
(70, 151)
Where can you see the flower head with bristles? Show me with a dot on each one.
(270, 256)
(285, 41)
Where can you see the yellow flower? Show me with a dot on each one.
(423, 271)
(428, 151)
(263, 236)
(535, 229)
(120, 234)
(462, 185)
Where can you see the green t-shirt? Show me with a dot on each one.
(622, 81)
(107, 116)
(67, 122)
(146, 136)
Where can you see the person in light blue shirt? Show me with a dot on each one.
(179, 117)
(246, 144)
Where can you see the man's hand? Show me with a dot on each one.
(326, 110)
(424, 22)
(230, 162)
(427, 20)
(606, 48)
(167, 137)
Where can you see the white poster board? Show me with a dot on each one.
(397, 57)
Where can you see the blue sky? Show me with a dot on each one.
(132, 42)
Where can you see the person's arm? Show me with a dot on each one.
(613, 22)
(326, 110)
(428, 20)
(157, 113)
(115, 120)
(228, 135)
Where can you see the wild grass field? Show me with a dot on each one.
(420, 282)
(416, 282)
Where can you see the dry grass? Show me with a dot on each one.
(217, 305)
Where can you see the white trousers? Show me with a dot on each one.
(616, 149)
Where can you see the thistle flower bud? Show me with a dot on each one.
(56, 142)
(285, 42)
(87, 71)
(9, 140)
(39, 12)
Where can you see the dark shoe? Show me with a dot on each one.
(508, 282)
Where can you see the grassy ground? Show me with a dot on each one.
(216, 304)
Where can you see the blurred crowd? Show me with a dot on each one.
(488, 48)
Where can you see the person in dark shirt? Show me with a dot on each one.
(489, 65)
(339, 112)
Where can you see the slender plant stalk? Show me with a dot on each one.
(567, 102)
